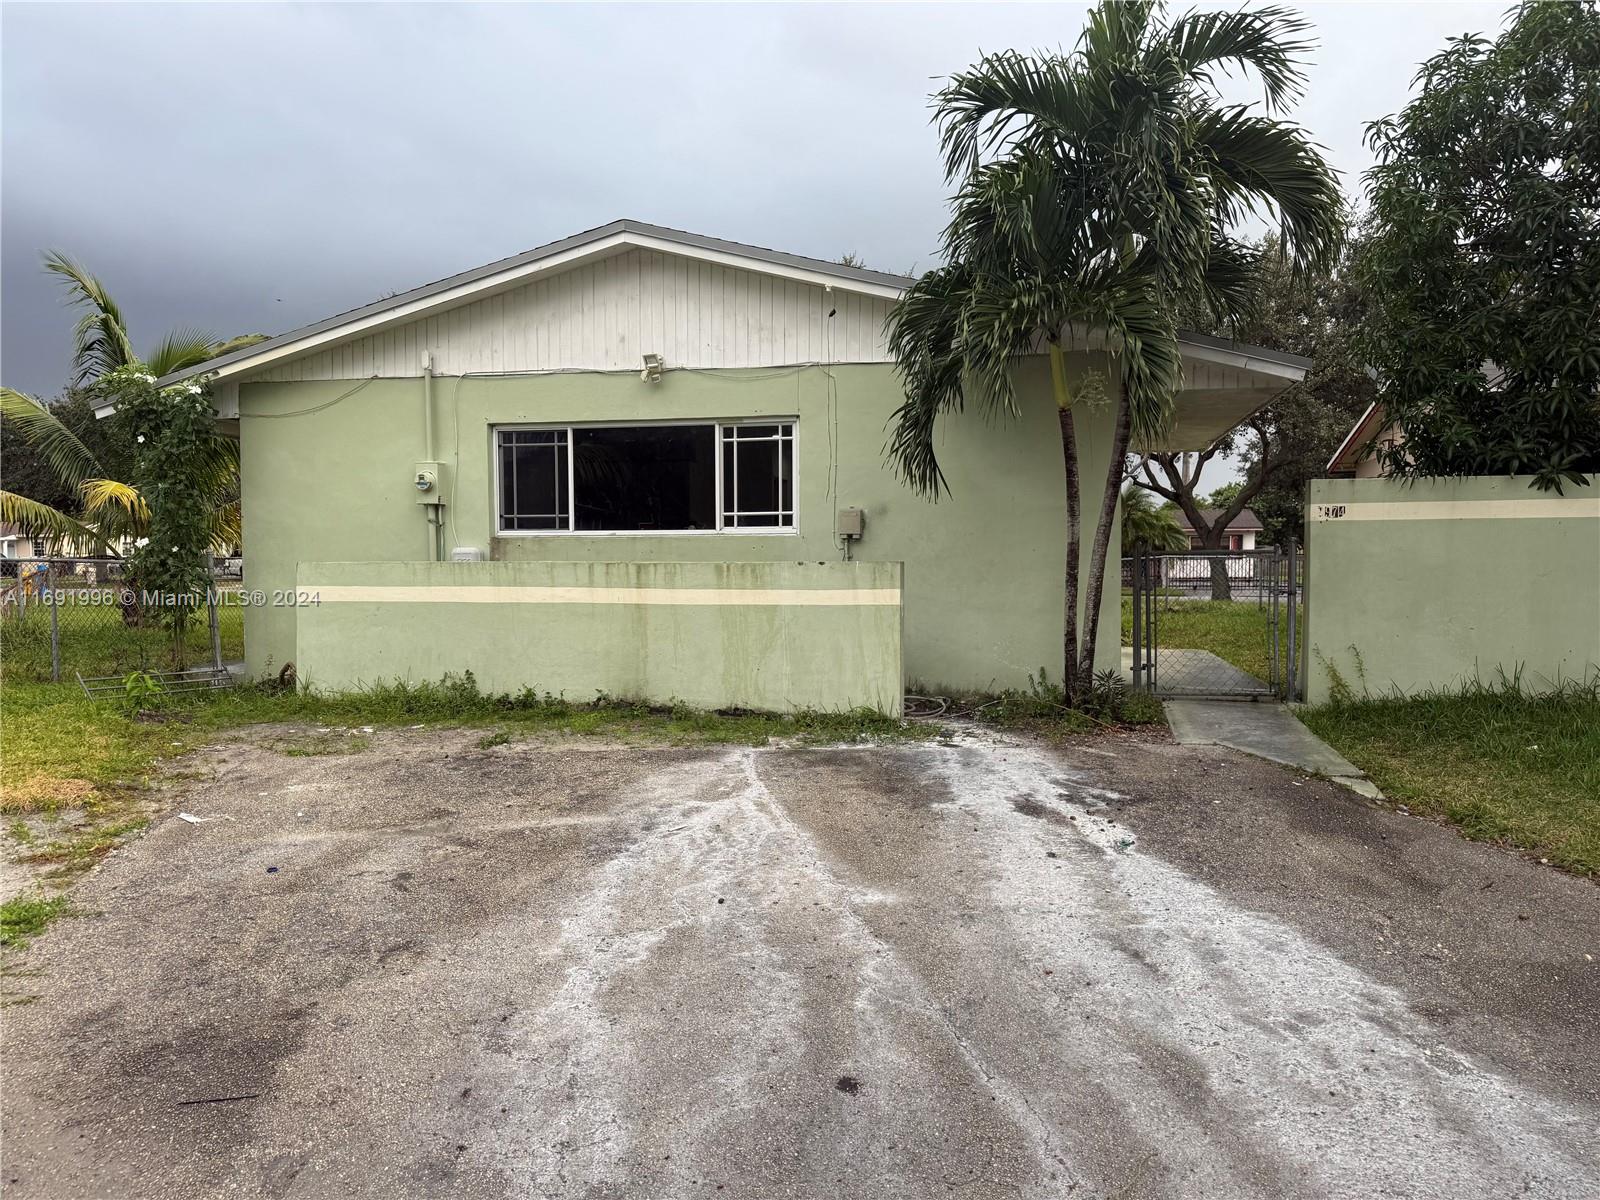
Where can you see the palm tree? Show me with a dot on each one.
(111, 508)
(1145, 524)
(1096, 191)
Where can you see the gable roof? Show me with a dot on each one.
(1246, 520)
(618, 236)
(506, 272)
(1358, 442)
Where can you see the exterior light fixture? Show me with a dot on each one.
(652, 369)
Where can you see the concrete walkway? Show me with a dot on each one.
(1181, 671)
(1267, 730)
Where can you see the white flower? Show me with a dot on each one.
(140, 439)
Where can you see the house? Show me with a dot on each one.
(651, 463)
(16, 543)
(1241, 533)
(1357, 456)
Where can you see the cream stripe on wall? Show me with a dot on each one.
(1555, 508)
(752, 597)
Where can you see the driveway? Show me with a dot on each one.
(975, 967)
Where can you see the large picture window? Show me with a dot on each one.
(688, 478)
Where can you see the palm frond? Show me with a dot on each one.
(1114, 32)
(180, 349)
(238, 343)
(981, 107)
(1229, 286)
(227, 528)
(1261, 163)
(1268, 41)
(1144, 523)
(116, 503)
(1151, 362)
(100, 339)
(67, 456)
(40, 520)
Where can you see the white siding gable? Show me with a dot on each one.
(608, 314)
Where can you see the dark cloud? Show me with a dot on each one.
(252, 168)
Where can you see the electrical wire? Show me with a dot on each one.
(316, 408)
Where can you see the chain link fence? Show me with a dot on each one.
(1214, 623)
(64, 618)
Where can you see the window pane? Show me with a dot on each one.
(786, 488)
(646, 477)
(758, 476)
(533, 479)
(757, 487)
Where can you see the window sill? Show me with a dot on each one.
(644, 533)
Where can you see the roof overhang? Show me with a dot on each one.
(1203, 410)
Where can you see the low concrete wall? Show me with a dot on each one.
(775, 636)
(1436, 582)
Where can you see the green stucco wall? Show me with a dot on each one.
(772, 636)
(1437, 582)
(329, 479)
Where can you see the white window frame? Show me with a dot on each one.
(716, 425)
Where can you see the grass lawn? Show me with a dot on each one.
(96, 641)
(1237, 631)
(63, 750)
(1506, 767)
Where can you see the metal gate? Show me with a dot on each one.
(1222, 623)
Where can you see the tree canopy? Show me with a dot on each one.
(1481, 258)
(1290, 440)
(68, 478)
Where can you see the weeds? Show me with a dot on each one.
(25, 917)
(317, 745)
(141, 690)
(1043, 706)
(72, 855)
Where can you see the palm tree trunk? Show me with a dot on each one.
(1069, 456)
(1069, 459)
(1102, 538)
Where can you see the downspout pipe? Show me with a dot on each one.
(435, 516)
(427, 405)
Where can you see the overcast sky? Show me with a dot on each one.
(248, 168)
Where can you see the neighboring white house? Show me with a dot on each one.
(1241, 533)
(15, 544)
(1358, 455)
